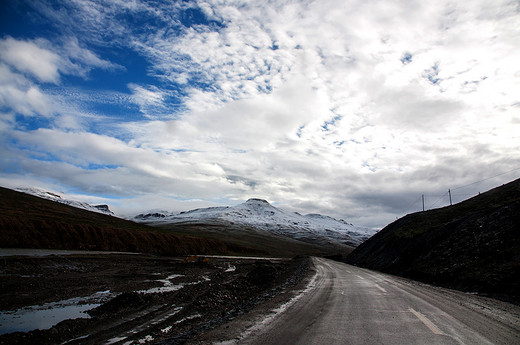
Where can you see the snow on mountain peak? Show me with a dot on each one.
(260, 214)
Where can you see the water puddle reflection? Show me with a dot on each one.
(49, 314)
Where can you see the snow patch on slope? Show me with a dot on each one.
(57, 198)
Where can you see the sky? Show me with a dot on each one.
(352, 109)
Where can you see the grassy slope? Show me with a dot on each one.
(472, 246)
(261, 241)
(27, 221)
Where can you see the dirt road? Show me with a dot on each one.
(349, 305)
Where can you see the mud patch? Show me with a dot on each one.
(153, 300)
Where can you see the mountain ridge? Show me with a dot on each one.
(105, 209)
(260, 214)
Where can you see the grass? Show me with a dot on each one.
(241, 236)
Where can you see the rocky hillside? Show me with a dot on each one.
(27, 221)
(472, 246)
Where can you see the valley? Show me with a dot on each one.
(74, 275)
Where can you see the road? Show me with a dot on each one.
(350, 305)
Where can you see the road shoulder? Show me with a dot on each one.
(245, 325)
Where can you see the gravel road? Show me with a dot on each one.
(345, 304)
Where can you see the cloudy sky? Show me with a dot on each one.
(348, 108)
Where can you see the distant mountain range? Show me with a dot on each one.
(255, 214)
(255, 227)
(261, 215)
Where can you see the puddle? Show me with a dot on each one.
(49, 314)
(167, 329)
(25, 320)
(115, 340)
(230, 268)
(168, 286)
(145, 325)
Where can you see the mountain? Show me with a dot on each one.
(471, 246)
(260, 215)
(57, 198)
(27, 221)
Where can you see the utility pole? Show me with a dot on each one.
(423, 202)
(449, 192)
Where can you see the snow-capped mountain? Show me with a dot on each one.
(57, 198)
(260, 214)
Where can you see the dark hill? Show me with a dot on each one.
(471, 246)
(27, 221)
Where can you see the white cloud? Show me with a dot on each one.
(149, 99)
(21, 95)
(40, 59)
(396, 122)
(29, 57)
(26, 65)
(78, 60)
(351, 109)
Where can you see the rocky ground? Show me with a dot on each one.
(141, 298)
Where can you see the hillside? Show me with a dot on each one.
(27, 221)
(57, 198)
(472, 246)
(260, 217)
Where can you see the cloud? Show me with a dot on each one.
(21, 95)
(80, 61)
(29, 57)
(40, 59)
(27, 65)
(97, 162)
(351, 109)
(151, 100)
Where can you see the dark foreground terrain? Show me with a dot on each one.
(138, 298)
(472, 246)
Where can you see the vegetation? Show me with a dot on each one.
(256, 240)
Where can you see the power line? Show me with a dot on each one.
(442, 196)
(450, 191)
(489, 178)
(412, 204)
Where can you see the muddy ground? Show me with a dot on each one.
(141, 298)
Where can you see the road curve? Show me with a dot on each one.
(350, 305)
